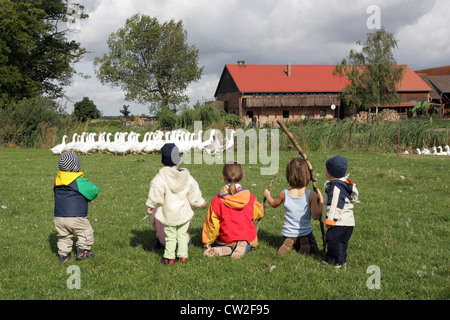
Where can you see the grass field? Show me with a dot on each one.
(402, 225)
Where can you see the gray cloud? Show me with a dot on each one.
(264, 32)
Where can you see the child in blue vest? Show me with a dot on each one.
(340, 194)
(72, 193)
(300, 204)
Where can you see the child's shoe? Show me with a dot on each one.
(181, 259)
(239, 250)
(218, 251)
(286, 246)
(63, 258)
(84, 254)
(167, 261)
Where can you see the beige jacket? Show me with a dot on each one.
(174, 191)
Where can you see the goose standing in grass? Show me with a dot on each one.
(70, 145)
(425, 151)
(447, 149)
(230, 141)
(58, 149)
(418, 151)
(80, 142)
(88, 144)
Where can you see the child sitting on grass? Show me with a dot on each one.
(72, 193)
(340, 194)
(174, 190)
(300, 205)
(229, 221)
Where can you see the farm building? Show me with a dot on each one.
(264, 93)
(438, 79)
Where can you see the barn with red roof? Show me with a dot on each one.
(265, 93)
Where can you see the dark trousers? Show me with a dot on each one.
(337, 238)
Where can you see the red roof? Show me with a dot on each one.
(251, 78)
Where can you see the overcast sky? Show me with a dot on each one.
(262, 32)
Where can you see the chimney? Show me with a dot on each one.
(288, 71)
(241, 63)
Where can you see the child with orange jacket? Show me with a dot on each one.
(229, 221)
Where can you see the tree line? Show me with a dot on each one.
(151, 61)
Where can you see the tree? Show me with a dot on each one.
(35, 56)
(151, 61)
(125, 111)
(373, 73)
(86, 109)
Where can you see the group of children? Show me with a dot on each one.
(229, 228)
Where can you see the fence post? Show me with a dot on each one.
(398, 140)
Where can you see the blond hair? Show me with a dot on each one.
(297, 173)
(232, 173)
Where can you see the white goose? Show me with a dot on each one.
(447, 149)
(58, 149)
(230, 141)
(88, 144)
(80, 142)
(70, 145)
(425, 151)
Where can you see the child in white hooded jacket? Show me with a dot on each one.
(173, 190)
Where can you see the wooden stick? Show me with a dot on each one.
(264, 203)
(311, 172)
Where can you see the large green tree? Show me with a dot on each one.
(151, 61)
(86, 109)
(373, 73)
(36, 58)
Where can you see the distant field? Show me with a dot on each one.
(402, 228)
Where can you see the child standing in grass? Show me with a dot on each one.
(340, 195)
(229, 221)
(300, 205)
(173, 190)
(72, 193)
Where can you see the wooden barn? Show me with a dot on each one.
(438, 79)
(264, 93)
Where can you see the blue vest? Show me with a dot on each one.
(297, 215)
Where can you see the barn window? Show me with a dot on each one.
(322, 113)
(285, 114)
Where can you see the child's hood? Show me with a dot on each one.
(234, 201)
(176, 179)
(64, 178)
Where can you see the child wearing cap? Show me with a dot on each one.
(173, 190)
(72, 193)
(340, 194)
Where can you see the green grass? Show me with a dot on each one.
(401, 226)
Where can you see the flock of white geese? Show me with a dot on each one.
(435, 151)
(131, 142)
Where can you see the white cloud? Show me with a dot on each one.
(265, 31)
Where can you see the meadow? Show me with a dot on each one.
(402, 225)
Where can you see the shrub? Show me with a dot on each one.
(28, 122)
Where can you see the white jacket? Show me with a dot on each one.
(174, 191)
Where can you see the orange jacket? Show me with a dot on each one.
(230, 218)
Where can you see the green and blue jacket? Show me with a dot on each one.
(72, 193)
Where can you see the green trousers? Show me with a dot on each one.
(176, 235)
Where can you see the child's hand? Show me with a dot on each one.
(207, 246)
(266, 193)
(203, 205)
(150, 210)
